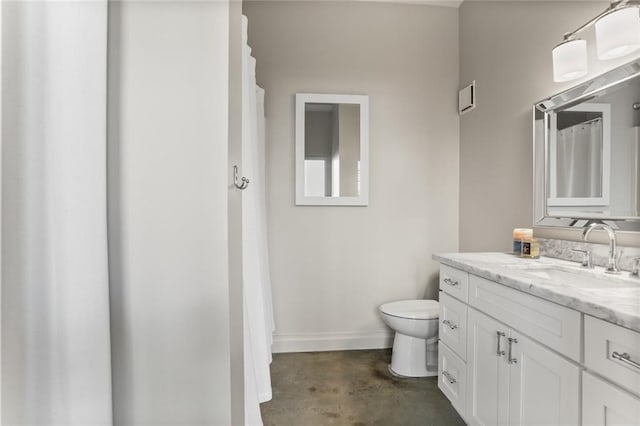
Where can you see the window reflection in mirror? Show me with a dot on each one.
(332, 150)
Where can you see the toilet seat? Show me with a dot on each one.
(412, 309)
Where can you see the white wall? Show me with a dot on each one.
(168, 154)
(506, 48)
(333, 266)
(235, 213)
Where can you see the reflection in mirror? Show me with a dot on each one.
(579, 156)
(331, 149)
(587, 153)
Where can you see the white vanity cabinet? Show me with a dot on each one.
(528, 358)
(513, 380)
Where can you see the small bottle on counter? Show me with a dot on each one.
(530, 248)
(520, 234)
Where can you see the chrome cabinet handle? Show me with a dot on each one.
(510, 358)
(450, 324)
(626, 358)
(448, 376)
(451, 282)
(499, 351)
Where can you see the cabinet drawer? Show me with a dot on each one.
(453, 324)
(452, 375)
(605, 344)
(558, 327)
(454, 282)
(605, 404)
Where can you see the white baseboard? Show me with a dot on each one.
(337, 341)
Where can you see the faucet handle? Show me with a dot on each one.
(635, 269)
(586, 258)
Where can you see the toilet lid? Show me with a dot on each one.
(413, 309)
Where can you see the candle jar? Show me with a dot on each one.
(530, 248)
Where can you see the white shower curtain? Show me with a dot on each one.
(580, 160)
(55, 295)
(258, 314)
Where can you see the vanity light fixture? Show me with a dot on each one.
(569, 60)
(617, 34)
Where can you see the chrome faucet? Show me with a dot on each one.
(612, 265)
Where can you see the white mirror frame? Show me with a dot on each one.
(362, 199)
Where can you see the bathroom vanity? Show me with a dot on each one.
(538, 341)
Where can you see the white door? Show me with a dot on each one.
(487, 371)
(604, 404)
(544, 388)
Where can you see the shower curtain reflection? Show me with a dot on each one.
(579, 160)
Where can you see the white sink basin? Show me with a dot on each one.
(555, 275)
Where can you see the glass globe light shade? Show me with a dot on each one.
(618, 33)
(569, 60)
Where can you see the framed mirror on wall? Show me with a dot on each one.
(587, 153)
(332, 150)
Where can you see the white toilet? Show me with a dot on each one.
(415, 346)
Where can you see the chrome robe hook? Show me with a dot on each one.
(244, 182)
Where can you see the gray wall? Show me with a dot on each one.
(168, 129)
(506, 48)
(333, 266)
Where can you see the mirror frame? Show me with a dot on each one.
(361, 199)
(583, 92)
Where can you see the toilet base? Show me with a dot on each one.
(413, 357)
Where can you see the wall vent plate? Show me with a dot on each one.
(467, 98)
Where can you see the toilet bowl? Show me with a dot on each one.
(415, 345)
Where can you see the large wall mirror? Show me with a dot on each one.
(332, 150)
(587, 153)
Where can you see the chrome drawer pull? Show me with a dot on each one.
(448, 376)
(511, 359)
(499, 351)
(450, 324)
(451, 282)
(626, 358)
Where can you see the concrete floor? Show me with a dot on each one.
(351, 388)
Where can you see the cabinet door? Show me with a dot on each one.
(604, 404)
(452, 378)
(453, 324)
(544, 387)
(487, 371)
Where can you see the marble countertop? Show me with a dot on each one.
(613, 298)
